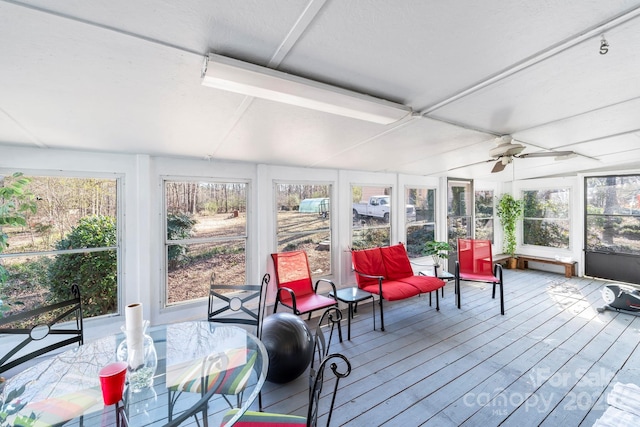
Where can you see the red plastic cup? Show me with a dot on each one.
(112, 379)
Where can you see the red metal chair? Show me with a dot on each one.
(295, 285)
(475, 264)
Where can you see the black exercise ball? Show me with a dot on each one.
(289, 343)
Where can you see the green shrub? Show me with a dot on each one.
(15, 203)
(370, 238)
(179, 226)
(94, 272)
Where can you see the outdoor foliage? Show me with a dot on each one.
(370, 238)
(484, 215)
(417, 236)
(15, 203)
(94, 272)
(546, 218)
(613, 214)
(179, 226)
(458, 229)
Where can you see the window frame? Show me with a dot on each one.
(589, 215)
(165, 242)
(492, 218)
(119, 179)
(331, 216)
(569, 189)
(407, 223)
(392, 210)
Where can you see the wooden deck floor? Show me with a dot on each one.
(549, 361)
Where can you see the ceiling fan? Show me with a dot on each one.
(507, 149)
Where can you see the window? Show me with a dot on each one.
(459, 211)
(546, 218)
(371, 212)
(613, 214)
(303, 222)
(70, 238)
(206, 233)
(484, 215)
(420, 218)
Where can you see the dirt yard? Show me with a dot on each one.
(192, 281)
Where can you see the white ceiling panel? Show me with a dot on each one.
(578, 81)
(419, 140)
(281, 134)
(614, 120)
(124, 76)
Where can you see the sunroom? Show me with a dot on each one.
(116, 115)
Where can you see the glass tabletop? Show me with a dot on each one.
(352, 294)
(66, 387)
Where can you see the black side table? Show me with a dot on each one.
(353, 296)
(440, 274)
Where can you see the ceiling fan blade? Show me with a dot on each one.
(470, 165)
(499, 166)
(546, 154)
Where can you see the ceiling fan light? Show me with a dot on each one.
(232, 75)
(506, 147)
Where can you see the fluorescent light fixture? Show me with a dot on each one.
(565, 155)
(248, 79)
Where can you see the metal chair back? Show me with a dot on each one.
(238, 303)
(341, 368)
(44, 329)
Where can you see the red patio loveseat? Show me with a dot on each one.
(387, 272)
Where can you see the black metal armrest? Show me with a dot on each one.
(335, 291)
(293, 297)
(369, 276)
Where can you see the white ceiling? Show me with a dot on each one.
(124, 76)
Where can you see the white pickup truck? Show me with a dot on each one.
(378, 207)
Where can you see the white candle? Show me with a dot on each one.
(133, 316)
(134, 330)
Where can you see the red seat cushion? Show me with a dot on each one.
(368, 261)
(310, 302)
(424, 284)
(479, 277)
(393, 290)
(396, 262)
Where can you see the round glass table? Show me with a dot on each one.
(186, 383)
